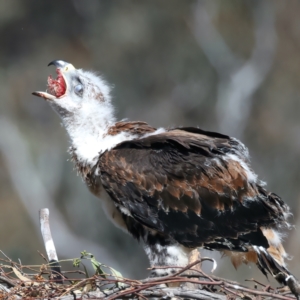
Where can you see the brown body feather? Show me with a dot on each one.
(190, 187)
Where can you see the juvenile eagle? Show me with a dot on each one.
(173, 189)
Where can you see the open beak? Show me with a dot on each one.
(56, 88)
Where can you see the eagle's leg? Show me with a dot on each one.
(193, 257)
(166, 256)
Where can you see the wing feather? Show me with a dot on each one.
(183, 183)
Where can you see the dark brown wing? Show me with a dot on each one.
(190, 184)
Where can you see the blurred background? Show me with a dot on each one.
(229, 66)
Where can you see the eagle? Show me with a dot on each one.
(175, 190)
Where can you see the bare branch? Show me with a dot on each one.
(238, 81)
(46, 233)
(49, 245)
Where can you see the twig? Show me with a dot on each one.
(257, 282)
(6, 257)
(186, 294)
(7, 280)
(43, 256)
(49, 244)
(188, 267)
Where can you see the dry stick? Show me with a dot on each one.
(7, 280)
(149, 284)
(167, 279)
(221, 284)
(49, 244)
(145, 286)
(186, 294)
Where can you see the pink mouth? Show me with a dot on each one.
(56, 87)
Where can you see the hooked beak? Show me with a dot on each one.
(58, 63)
(56, 88)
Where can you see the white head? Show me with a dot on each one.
(76, 93)
(83, 102)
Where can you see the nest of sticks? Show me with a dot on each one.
(70, 279)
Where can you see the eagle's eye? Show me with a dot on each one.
(78, 90)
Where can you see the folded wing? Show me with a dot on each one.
(192, 185)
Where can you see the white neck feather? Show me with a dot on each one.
(88, 132)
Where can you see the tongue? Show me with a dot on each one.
(56, 87)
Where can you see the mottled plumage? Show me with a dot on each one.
(186, 184)
(173, 189)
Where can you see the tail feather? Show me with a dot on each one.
(267, 264)
(269, 260)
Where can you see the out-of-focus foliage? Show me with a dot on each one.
(171, 62)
